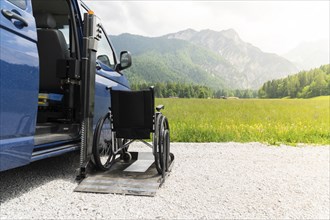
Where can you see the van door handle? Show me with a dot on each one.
(12, 15)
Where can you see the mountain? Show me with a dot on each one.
(256, 65)
(216, 59)
(159, 59)
(310, 55)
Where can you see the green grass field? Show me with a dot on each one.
(272, 121)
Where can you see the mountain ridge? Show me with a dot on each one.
(248, 59)
(219, 59)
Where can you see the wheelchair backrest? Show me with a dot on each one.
(132, 110)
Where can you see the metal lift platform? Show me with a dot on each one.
(137, 177)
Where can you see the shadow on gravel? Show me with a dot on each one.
(16, 182)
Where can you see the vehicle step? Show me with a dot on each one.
(51, 138)
(45, 129)
(52, 152)
(51, 128)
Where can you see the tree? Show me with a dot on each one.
(304, 84)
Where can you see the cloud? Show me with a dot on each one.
(274, 26)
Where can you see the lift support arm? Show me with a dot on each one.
(87, 90)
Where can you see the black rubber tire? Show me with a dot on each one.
(167, 149)
(160, 143)
(102, 150)
(164, 153)
(126, 157)
(156, 142)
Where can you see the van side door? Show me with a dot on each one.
(19, 82)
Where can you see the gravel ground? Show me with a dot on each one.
(213, 180)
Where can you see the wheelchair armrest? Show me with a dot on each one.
(159, 107)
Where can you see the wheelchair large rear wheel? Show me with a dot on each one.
(161, 144)
(102, 144)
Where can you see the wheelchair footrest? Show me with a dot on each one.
(143, 162)
(126, 178)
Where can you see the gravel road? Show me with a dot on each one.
(213, 180)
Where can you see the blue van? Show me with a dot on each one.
(42, 44)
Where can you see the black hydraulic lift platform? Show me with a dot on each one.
(136, 177)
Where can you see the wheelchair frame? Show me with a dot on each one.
(119, 146)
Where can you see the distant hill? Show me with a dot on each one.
(216, 59)
(310, 54)
(305, 84)
(170, 60)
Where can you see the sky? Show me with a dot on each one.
(273, 26)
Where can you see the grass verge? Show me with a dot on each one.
(273, 121)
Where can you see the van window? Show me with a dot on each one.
(19, 3)
(66, 32)
(105, 53)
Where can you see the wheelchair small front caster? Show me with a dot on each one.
(126, 157)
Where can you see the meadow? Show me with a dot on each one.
(272, 121)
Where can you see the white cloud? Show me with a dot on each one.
(274, 26)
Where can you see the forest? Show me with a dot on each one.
(305, 84)
(182, 90)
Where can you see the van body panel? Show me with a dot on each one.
(112, 75)
(19, 85)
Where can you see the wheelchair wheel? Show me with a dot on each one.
(126, 157)
(167, 149)
(161, 144)
(102, 145)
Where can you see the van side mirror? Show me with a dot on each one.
(125, 61)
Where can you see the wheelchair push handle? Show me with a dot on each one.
(159, 107)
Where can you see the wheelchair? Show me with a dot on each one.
(132, 117)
